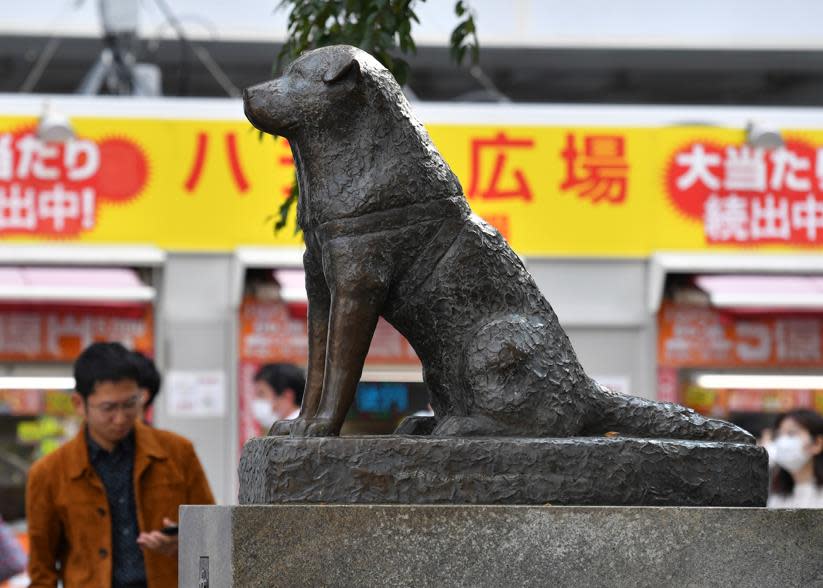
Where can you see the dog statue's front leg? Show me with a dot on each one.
(318, 323)
(353, 318)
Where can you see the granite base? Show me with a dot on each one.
(357, 545)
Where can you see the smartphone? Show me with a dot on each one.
(170, 530)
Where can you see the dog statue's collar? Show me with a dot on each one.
(446, 208)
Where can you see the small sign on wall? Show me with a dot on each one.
(195, 393)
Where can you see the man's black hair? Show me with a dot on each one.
(281, 377)
(147, 375)
(102, 362)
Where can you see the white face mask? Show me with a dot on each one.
(789, 453)
(263, 412)
(770, 450)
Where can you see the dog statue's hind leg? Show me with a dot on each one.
(521, 378)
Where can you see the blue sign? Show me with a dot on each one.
(382, 398)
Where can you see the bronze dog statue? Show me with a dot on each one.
(388, 232)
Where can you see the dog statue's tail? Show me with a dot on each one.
(639, 417)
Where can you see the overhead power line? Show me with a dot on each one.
(200, 52)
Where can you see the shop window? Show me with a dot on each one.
(47, 316)
(742, 347)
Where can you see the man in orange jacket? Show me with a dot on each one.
(96, 507)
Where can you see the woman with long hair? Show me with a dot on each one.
(798, 455)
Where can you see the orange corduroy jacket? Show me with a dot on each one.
(69, 525)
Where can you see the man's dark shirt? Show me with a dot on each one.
(116, 470)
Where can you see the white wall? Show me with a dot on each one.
(199, 334)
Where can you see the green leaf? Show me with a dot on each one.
(401, 71)
(286, 206)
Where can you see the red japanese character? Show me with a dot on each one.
(493, 190)
(200, 159)
(499, 222)
(234, 162)
(286, 160)
(605, 169)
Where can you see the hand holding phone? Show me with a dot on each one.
(163, 540)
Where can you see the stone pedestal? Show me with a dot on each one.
(507, 470)
(358, 545)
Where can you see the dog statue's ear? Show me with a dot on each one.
(345, 70)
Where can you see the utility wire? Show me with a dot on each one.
(48, 50)
(484, 80)
(40, 65)
(200, 52)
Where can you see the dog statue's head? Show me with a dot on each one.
(317, 88)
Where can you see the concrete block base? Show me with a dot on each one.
(471, 545)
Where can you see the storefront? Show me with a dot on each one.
(49, 311)
(743, 346)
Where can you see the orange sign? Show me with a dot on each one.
(32, 333)
(269, 333)
(690, 336)
(720, 403)
(21, 402)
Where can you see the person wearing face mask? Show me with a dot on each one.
(278, 389)
(798, 455)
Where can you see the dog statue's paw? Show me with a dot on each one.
(282, 427)
(416, 425)
(315, 427)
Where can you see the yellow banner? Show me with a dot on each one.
(577, 191)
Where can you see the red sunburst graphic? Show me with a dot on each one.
(123, 170)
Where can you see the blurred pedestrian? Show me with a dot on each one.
(798, 454)
(12, 557)
(97, 506)
(278, 389)
(148, 380)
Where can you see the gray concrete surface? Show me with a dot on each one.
(358, 545)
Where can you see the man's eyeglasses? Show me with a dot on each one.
(109, 408)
